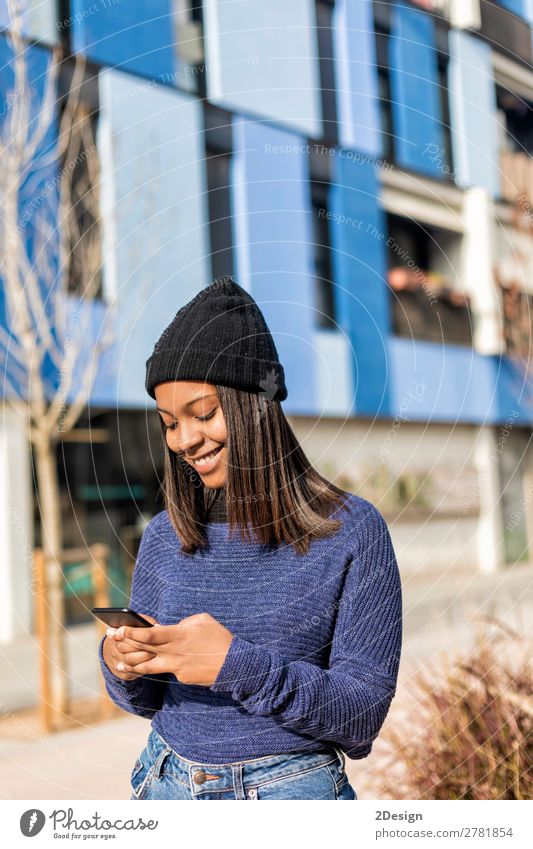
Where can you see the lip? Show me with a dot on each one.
(207, 467)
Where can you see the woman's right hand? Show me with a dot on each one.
(118, 651)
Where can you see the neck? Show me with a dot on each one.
(217, 511)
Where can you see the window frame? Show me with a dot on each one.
(218, 150)
(326, 60)
(319, 185)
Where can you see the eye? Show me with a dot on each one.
(206, 418)
(174, 425)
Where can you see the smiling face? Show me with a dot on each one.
(195, 427)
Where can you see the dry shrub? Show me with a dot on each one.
(467, 733)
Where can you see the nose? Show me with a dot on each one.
(190, 437)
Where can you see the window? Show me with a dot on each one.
(324, 10)
(443, 57)
(64, 15)
(188, 38)
(427, 301)
(382, 29)
(79, 171)
(514, 114)
(324, 284)
(107, 496)
(515, 118)
(218, 149)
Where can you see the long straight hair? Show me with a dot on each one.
(270, 482)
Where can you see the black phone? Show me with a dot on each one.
(117, 616)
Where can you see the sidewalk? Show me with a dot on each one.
(95, 762)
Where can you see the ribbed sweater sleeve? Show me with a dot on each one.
(346, 703)
(142, 696)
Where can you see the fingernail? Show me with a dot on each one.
(120, 631)
(110, 632)
(120, 666)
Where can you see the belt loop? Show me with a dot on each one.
(238, 784)
(340, 753)
(159, 761)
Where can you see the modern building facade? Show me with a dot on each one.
(363, 169)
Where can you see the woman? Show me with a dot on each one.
(275, 595)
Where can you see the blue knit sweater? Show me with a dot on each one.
(316, 647)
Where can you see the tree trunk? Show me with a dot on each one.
(50, 513)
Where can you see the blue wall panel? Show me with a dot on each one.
(514, 391)
(474, 128)
(518, 7)
(528, 15)
(273, 238)
(93, 319)
(133, 35)
(415, 92)
(154, 208)
(442, 383)
(451, 383)
(262, 59)
(356, 76)
(361, 291)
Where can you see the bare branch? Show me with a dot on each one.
(37, 289)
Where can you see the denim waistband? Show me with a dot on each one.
(201, 776)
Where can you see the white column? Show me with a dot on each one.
(477, 270)
(490, 547)
(464, 13)
(16, 526)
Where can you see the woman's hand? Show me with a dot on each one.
(193, 650)
(117, 653)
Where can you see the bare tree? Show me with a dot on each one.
(50, 282)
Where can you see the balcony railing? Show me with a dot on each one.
(516, 170)
(426, 305)
(517, 324)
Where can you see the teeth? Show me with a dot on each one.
(204, 460)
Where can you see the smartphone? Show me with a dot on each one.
(117, 616)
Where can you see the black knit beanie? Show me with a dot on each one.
(220, 336)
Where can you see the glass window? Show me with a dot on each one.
(218, 149)
(327, 73)
(515, 115)
(79, 181)
(427, 300)
(382, 59)
(324, 284)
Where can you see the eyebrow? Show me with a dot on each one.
(189, 403)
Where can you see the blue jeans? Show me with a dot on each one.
(160, 773)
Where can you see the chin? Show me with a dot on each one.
(216, 484)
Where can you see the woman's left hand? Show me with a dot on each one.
(193, 650)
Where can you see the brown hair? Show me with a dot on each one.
(270, 482)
